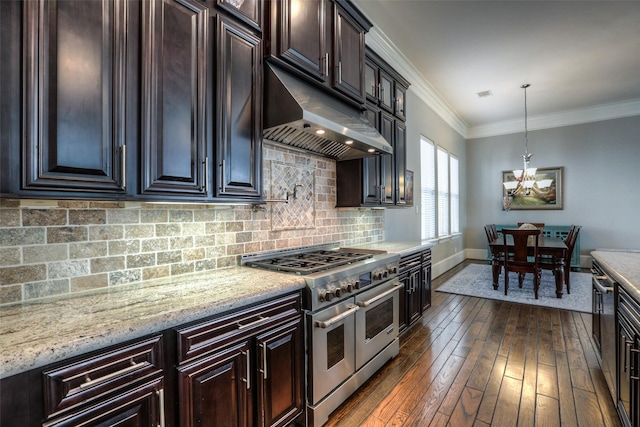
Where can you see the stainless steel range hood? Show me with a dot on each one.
(295, 110)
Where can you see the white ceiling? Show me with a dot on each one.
(580, 57)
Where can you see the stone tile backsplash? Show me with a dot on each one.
(77, 246)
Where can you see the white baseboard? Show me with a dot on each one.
(447, 264)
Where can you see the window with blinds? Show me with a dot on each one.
(428, 188)
(439, 190)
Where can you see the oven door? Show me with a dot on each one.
(377, 320)
(332, 352)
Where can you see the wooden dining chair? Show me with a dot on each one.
(518, 259)
(494, 231)
(570, 241)
(489, 232)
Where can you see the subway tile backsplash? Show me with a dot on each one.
(83, 245)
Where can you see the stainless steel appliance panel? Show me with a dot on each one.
(377, 320)
(332, 352)
(604, 325)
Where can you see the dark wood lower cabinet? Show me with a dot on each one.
(242, 368)
(280, 385)
(415, 296)
(215, 390)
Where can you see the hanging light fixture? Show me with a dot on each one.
(525, 178)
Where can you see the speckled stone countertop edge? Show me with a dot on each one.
(403, 248)
(624, 266)
(36, 334)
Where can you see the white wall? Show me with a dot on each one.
(404, 224)
(601, 163)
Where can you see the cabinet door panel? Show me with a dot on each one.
(400, 154)
(371, 81)
(174, 50)
(400, 102)
(385, 91)
(239, 111)
(387, 170)
(74, 95)
(302, 37)
(214, 391)
(280, 383)
(348, 53)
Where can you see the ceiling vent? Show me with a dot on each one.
(484, 94)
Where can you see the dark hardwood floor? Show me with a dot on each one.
(478, 362)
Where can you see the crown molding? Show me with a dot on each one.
(383, 46)
(564, 118)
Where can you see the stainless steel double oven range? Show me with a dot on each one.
(351, 304)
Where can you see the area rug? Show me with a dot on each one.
(475, 280)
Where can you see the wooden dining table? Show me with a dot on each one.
(553, 247)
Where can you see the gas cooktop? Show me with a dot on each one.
(307, 262)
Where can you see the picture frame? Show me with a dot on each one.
(538, 199)
(408, 187)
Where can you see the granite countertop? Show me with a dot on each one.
(402, 247)
(623, 266)
(38, 333)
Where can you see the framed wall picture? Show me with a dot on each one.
(408, 187)
(541, 196)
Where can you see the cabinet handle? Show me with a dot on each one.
(123, 153)
(133, 367)
(248, 381)
(340, 72)
(161, 403)
(380, 91)
(264, 360)
(255, 322)
(373, 90)
(326, 64)
(223, 185)
(206, 174)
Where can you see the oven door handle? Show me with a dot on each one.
(379, 297)
(602, 288)
(326, 323)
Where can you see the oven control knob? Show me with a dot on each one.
(337, 292)
(346, 287)
(356, 284)
(350, 285)
(326, 296)
(392, 269)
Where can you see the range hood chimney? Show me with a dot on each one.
(296, 113)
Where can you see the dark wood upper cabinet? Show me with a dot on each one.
(238, 111)
(388, 161)
(400, 155)
(174, 94)
(348, 54)
(322, 40)
(379, 180)
(297, 35)
(74, 94)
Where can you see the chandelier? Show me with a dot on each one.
(525, 178)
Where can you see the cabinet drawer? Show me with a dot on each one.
(96, 376)
(207, 336)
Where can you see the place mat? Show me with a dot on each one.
(475, 280)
